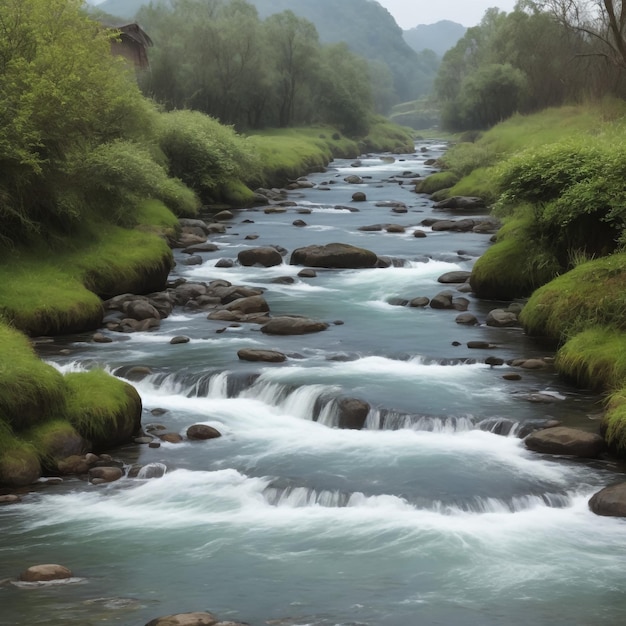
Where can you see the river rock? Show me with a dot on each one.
(499, 318)
(334, 255)
(568, 441)
(467, 319)
(610, 501)
(352, 413)
(299, 223)
(372, 228)
(74, 464)
(202, 432)
(461, 203)
(194, 259)
(223, 216)
(251, 304)
(454, 277)
(293, 326)
(442, 225)
(140, 309)
(479, 345)
(420, 301)
(171, 438)
(101, 338)
(460, 304)
(419, 234)
(185, 619)
(359, 196)
(395, 228)
(10, 498)
(307, 273)
(269, 356)
(201, 247)
(267, 257)
(104, 474)
(179, 339)
(45, 573)
(224, 263)
(442, 300)
(353, 179)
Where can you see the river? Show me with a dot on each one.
(424, 517)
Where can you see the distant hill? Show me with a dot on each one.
(365, 26)
(439, 37)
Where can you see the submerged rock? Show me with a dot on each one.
(269, 356)
(185, 619)
(293, 326)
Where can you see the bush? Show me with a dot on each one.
(205, 155)
(577, 190)
(515, 266)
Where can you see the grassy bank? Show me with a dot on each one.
(54, 284)
(556, 179)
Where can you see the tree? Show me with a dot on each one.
(603, 21)
(61, 94)
(295, 48)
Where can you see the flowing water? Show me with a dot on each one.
(435, 513)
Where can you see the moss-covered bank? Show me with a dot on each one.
(556, 178)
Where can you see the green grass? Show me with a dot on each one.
(437, 182)
(515, 265)
(386, 136)
(594, 358)
(49, 440)
(104, 410)
(614, 421)
(30, 390)
(592, 294)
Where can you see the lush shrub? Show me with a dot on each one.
(204, 154)
(577, 190)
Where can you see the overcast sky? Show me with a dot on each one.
(410, 13)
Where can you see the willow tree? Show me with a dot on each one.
(603, 21)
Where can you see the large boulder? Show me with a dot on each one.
(352, 413)
(461, 203)
(293, 326)
(251, 304)
(454, 277)
(499, 318)
(610, 501)
(334, 255)
(185, 619)
(202, 432)
(45, 573)
(268, 356)
(267, 257)
(567, 441)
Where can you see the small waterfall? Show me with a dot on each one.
(515, 504)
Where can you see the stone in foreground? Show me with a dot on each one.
(45, 573)
(610, 501)
(293, 326)
(334, 255)
(185, 619)
(567, 441)
(269, 356)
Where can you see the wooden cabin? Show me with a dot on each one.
(132, 44)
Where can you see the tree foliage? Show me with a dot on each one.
(219, 58)
(547, 64)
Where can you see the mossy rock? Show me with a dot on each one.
(19, 461)
(437, 182)
(31, 391)
(514, 266)
(104, 410)
(55, 440)
(592, 294)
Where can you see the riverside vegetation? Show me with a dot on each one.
(556, 179)
(93, 180)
